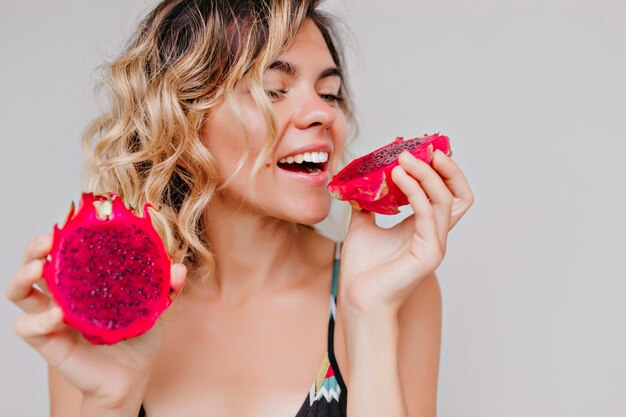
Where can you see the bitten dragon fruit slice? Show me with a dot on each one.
(108, 270)
(366, 182)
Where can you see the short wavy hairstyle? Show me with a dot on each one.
(186, 57)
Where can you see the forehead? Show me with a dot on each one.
(308, 44)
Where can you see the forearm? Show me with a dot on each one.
(372, 347)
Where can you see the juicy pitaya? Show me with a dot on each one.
(108, 270)
(366, 182)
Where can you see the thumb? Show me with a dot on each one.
(360, 218)
(178, 278)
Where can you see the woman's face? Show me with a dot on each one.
(303, 85)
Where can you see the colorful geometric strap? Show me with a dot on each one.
(325, 384)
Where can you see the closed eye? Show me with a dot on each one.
(332, 98)
(275, 94)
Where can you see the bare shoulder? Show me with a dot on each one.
(419, 323)
(65, 400)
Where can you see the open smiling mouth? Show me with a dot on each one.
(308, 162)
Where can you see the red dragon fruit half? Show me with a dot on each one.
(108, 270)
(366, 182)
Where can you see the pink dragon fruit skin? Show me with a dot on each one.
(366, 182)
(108, 270)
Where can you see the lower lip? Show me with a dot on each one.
(313, 180)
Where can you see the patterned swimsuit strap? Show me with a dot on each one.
(335, 282)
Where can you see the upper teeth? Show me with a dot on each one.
(305, 157)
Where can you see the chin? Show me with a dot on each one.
(309, 211)
(312, 220)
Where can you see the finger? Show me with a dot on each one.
(178, 278)
(431, 182)
(47, 333)
(34, 327)
(452, 175)
(21, 292)
(457, 183)
(38, 248)
(436, 190)
(424, 213)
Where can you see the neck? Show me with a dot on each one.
(254, 252)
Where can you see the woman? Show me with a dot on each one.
(208, 103)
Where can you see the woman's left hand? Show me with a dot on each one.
(380, 266)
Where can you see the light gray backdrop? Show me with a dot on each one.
(533, 96)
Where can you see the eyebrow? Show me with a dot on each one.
(331, 72)
(289, 69)
(285, 67)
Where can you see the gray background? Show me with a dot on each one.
(533, 96)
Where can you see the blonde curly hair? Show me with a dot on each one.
(186, 57)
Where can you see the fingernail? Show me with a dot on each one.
(397, 168)
(35, 267)
(179, 269)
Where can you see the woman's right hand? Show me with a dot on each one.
(106, 375)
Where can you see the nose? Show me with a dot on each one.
(314, 111)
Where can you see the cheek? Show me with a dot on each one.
(254, 125)
(225, 138)
(338, 132)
